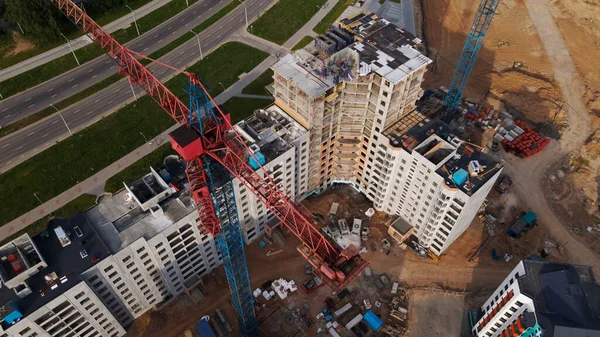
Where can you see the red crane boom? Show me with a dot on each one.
(223, 143)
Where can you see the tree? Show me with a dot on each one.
(40, 20)
(99, 7)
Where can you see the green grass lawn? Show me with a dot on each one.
(303, 43)
(76, 158)
(257, 87)
(284, 19)
(60, 105)
(242, 107)
(65, 63)
(79, 204)
(138, 169)
(100, 19)
(333, 14)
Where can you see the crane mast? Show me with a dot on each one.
(468, 57)
(215, 154)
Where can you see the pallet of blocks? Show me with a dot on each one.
(393, 330)
(400, 314)
(523, 141)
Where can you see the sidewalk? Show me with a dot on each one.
(45, 57)
(96, 182)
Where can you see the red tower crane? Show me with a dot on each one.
(218, 139)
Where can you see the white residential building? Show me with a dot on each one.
(356, 91)
(542, 299)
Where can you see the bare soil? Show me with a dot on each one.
(435, 314)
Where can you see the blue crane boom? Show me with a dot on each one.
(479, 28)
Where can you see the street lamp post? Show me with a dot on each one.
(147, 143)
(61, 117)
(71, 48)
(134, 20)
(245, 12)
(38, 199)
(133, 91)
(222, 86)
(199, 47)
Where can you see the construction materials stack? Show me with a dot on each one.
(523, 141)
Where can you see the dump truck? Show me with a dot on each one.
(204, 328)
(527, 221)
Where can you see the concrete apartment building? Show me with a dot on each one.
(139, 248)
(542, 299)
(355, 90)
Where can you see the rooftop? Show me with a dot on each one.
(270, 131)
(358, 46)
(435, 141)
(401, 226)
(566, 298)
(64, 265)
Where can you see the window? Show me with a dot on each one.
(382, 103)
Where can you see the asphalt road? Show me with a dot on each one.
(57, 89)
(21, 145)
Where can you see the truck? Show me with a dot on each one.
(204, 328)
(527, 221)
(312, 285)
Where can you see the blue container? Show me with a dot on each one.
(460, 177)
(262, 244)
(261, 160)
(204, 328)
(373, 321)
(529, 217)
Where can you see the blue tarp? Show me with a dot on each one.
(261, 160)
(460, 177)
(374, 322)
(529, 217)
(14, 316)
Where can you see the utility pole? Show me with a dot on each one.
(61, 117)
(134, 20)
(71, 48)
(245, 12)
(199, 47)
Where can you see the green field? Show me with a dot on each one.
(76, 158)
(257, 87)
(303, 43)
(242, 107)
(333, 14)
(79, 204)
(67, 62)
(284, 19)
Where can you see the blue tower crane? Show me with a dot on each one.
(229, 242)
(479, 28)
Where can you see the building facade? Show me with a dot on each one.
(355, 91)
(542, 299)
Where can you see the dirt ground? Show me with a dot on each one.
(436, 314)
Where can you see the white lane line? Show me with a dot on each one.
(241, 20)
(71, 80)
(44, 135)
(110, 101)
(107, 62)
(145, 49)
(112, 67)
(76, 111)
(117, 90)
(182, 20)
(74, 86)
(31, 106)
(31, 134)
(4, 109)
(96, 101)
(50, 89)
(5, 145)
(210, 9)
(159, 41)
(20, 147)
(194, 12)
(35, 150)
(218, 37)
(56, 121)
(29, 99)
(89, 113)
(53, 96)
(142, 44)
(183, 52)
(94, 76)
(21, 156)
(89, 71)
(173, 33)
(169, 28)
(5, 117)
(186, 24)
(176, 63)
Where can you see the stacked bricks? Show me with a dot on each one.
(527, 143)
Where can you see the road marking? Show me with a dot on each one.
(89, 113)
(142, 44)
(195, 11)
(89, 71)
(169, 28)
(241, 20)
(5, 117)
(74, 86)
(183, 52)
(155, 36)
(159, 41)
(31, 106)
(176, 63)
(53, 96)
(145, 49)
(31, 134)
(118, 90)
(71, 80)
(173, 33)
(35, 150)
(50, 89)
(56, 121)
(76, 111)
(4, 109)
(94, 76)
(107, 62)
(210, 9)
(96, 101)
(20, 147)
(29, 99)
(110, 101)
(44, 135)
(22, 156)
(218, 37)
(5, 145)
(182, 20)
(112, 67)
(186, 24)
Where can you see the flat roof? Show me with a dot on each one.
(66, 262)
(565, 296)
(401, 226)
